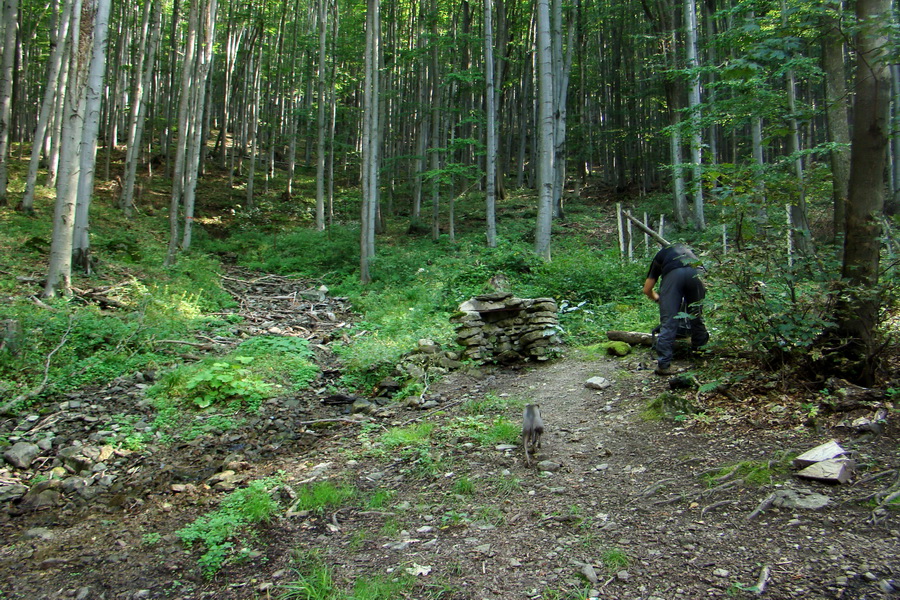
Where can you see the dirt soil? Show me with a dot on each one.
(618, 509)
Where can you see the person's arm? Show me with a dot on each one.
(649, 291)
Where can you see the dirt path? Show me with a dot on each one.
(627, 498)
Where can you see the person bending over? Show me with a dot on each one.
(681, 284)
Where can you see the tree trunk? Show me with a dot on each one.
(320, 120)
(546, 145)
(370, 137)
(859, 305)
(139, 107)
(199, 93)
(491, 134)
(60, 40)
(90, 130)
(59, 270)
(184, 104)
(836, 113)
(690, 25)
(10, 16)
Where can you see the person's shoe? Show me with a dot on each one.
(664, 370)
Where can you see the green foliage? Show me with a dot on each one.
(464, 487)
(499, 431)
(303, 252)
(217, 530)
(412, 435)
(379, 499)
(227, 383)
(490, 404)
(614, 559)
(316, 497)
(776, 310)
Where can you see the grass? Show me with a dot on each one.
(316, 497)
(218, 531)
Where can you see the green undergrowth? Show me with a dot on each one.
(426, 449)
(218, 393)
(217, 533)
(314, 579)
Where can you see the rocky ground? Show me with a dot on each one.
(618, 507)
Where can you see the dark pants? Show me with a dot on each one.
(680, 287)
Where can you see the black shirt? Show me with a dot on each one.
(670, 258)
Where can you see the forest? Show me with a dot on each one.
(238, 245)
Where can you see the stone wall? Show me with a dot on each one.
(500, 327)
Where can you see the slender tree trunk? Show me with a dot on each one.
(435, 137)
(370, 137)
(320, 120)
(491, 118)
(546, 146)
(187, 72)
(10, 15)
(51, 92)
(136, 120)
(199, 93)
(88, 161)
(59, 269)
(690, 26)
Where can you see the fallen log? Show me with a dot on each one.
(639, 338)
(631, 337)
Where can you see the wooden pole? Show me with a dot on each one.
(646, 237)
(621, 229)
(658, 238)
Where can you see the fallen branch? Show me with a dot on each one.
(763, 506)
(714, 506)
(763, 580)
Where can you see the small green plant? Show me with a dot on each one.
(151, 539)
(316, 497)
(238, 511)
(453, 518)
(380, 498)
(414, 435)
(491, 515)
(464, 487)
(506, 485)
(614, 559)
(313, 582)
(390, 528)
(500, 431)
(491, 404)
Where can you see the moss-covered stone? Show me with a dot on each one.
(617, 348)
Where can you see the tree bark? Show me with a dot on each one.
(57, 53)
(143, 78)
(10, 15)
(546, 146)
(491, 122)
(81, 244)
(859, 305)
(836, 113)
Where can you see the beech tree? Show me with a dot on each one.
(859, 304)
(10, 18)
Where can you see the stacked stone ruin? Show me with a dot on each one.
(502, 328)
